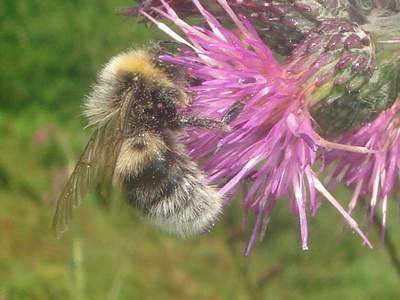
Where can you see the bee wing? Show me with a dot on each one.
(112, 141)
(96, 165)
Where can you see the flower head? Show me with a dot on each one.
(374, 175)
(273, 143)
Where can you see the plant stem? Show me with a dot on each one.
(390, 247)
(77, 256)
(388, 244)
(241, 266)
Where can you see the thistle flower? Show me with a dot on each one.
(372, 175)
(274, 142)
(375, 176)
(282, 24)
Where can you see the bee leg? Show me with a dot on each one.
(223, 125)
(192, 121)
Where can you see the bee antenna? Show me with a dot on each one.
(170, 45)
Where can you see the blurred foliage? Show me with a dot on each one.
(50, 53)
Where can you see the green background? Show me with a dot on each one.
(50, 52)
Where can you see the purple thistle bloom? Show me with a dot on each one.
(373, 175)
(273, 144)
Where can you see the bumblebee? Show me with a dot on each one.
(134, 108)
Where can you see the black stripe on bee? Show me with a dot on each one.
(161, 179)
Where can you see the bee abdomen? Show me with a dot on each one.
(188, 211)
(172, 195)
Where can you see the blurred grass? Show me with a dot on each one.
(50, 53)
